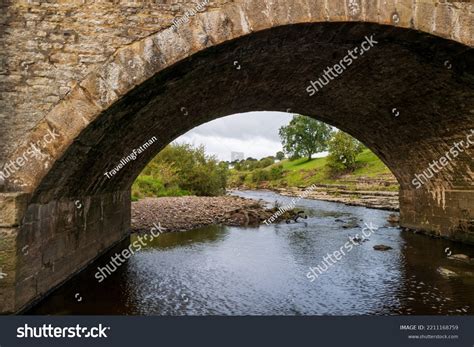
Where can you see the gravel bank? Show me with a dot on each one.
(190, 212)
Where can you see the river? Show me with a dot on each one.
(220, 270)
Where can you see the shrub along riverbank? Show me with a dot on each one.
(179, 170)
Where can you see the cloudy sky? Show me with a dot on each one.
(254, 133)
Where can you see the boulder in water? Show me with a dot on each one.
(460, 257)
(446, 272)
(382, 248)
(393, 218)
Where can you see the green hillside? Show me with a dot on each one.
(371, 174)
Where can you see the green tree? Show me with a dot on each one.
(280, 155)
(343, 151)
(304, 136)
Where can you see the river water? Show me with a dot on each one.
(220, 270)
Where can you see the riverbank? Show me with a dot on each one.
(370, 185)
(190, 212)
(378, 199)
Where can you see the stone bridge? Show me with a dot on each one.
(85, 83)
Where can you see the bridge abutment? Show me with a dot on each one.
(443, 213)
(54, 241)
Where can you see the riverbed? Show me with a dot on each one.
(222, 270)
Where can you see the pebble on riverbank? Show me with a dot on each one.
(190, 212)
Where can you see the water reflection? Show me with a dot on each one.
(262, 271)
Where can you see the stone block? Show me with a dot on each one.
(12, 208)
(101, 93)
(257, 14)
(8, 268)
(338, 10)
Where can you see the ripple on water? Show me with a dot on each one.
(262, 271)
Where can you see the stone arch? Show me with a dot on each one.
(139, 61)
(181, 77)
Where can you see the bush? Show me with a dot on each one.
(260, 175)
(265, 162)
(276, 172)
(343, 151)
(181, 169)
(147, 186)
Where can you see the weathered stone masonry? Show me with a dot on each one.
(47, 47)
(107, 76)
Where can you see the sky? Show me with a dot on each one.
(254, 133)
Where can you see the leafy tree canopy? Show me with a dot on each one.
(304, 137)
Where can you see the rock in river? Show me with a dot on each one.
(393, 218)
(382, 248)
(446, 272)
(460, 257)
